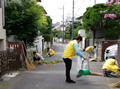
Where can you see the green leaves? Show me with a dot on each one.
(92, 17)
(52, 62)
(48, 37)
(94, 20)
(68, 32)
(24, 19)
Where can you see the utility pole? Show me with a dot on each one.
(63, 25)
(73, 20)
(94, 1)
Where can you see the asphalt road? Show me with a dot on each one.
(58, 48)
(52, 76)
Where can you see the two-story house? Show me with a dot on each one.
(2, 23)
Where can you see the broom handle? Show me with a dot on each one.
(86, 53)
(82, 64)
(88, 65)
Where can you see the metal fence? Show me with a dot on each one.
(9, 61)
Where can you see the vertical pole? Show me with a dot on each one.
(73, 20)
(94, 1)
(0, 3)
(63, 25)
(118, 54)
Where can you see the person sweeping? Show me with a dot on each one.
(91, 50)
(51, 52)
(71, 49)
(37, 58)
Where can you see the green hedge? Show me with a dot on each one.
(48, 37)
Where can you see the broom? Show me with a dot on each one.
(96, 74)
(117, 84)
(28, 62)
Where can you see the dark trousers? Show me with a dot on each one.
(68, 65)
(108, 73)
(36, 59)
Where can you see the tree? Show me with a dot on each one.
(76, 31)
(68, 32)
(95, 19)
(112, 25)
(55, 32)
(23, 19)
(47, 30)
(92, 19)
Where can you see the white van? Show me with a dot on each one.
(111, 51)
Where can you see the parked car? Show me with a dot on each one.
(111, 51)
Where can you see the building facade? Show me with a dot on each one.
(2, 23)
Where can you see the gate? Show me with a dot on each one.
(21, 49)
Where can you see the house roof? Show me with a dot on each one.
(57, 26)
(44, 11)
(80, 17)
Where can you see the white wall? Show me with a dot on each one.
(47, 44)
(2, 39)
(81, 32)
(38, 44)
(0, 17)
(2, 31)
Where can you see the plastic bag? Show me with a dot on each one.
(81, 65)
(41, 57)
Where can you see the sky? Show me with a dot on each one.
(54, 8)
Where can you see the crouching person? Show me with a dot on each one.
(110, 68)
(51, 52)
(37, 58)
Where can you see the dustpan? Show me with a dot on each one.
(84, 71)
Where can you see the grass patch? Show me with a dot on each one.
(3, 84)
(22, 68)
(45, 52)
(52, 62)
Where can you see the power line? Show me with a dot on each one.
(73, 4)
(94, 1)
